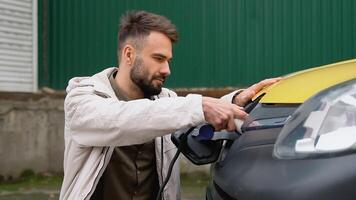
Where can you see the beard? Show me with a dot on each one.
(139, 76)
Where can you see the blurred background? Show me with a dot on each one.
(223, 45)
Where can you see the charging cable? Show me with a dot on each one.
(170, 168)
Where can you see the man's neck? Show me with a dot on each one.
(127, 87)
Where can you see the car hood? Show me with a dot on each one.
(303, 84)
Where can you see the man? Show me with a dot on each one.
(117, 122)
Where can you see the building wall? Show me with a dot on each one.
(18, 45)
(31, 132)
(222, 43)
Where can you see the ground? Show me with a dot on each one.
(46, 187)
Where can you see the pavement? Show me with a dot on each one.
(193, 188)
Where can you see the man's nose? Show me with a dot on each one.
(165, 69)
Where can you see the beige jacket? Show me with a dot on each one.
(96, 122)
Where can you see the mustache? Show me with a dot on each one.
(162, 78)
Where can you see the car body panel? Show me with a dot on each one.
(251, 173)
(303, 84)
(247, 168)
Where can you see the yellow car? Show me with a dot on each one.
(299, 143)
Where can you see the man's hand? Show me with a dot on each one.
(221, 114)
(246, 95)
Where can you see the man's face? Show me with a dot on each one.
(151, 65)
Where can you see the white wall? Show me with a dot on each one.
(18, 45)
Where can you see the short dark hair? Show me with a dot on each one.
(137, 25)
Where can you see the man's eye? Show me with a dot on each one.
(160, 59)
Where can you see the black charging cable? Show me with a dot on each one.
(159, 195)
(174, 159)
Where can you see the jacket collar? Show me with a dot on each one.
(101, 82)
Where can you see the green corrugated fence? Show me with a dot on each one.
(223, 43)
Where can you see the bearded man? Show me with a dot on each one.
(117, 122)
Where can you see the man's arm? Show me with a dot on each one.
(97, 121)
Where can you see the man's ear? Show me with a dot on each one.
(129, 54)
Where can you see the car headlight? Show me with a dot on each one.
(324, 125)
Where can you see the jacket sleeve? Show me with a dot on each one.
(228, 97)
(94, 120)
